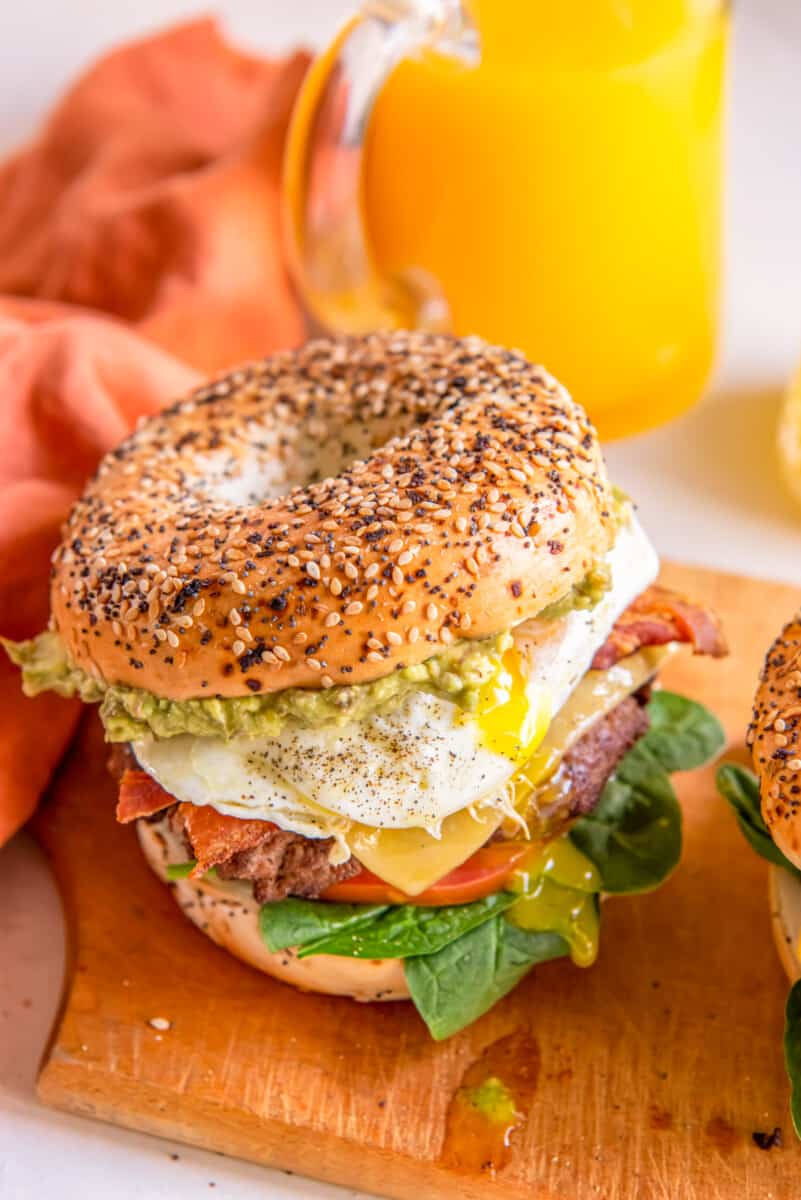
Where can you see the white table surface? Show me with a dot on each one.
(707, 486)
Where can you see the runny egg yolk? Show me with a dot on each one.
(512, 714)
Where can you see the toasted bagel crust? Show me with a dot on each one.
(775, 740)
(328, 515)
(229, 915)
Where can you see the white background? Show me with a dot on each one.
(707, 485)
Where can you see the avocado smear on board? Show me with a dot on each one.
(129, 713)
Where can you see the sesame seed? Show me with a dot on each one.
(281, 653)
(374, 656)
(313, 570)
(394, 638)
(432, 612)
(354, 608)
(238, 647)
(332, 619)
(314, 664)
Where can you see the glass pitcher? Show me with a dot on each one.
(545, 175)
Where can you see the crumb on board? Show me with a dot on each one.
(765, 1140)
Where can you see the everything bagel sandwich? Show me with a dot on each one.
(375, 643)
(768, 809)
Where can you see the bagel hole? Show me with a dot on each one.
(276, 461)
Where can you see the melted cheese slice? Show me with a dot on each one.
(414, 859)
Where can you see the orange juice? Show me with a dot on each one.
(566, 192)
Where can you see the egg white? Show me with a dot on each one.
(409, 767)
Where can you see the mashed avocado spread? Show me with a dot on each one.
(129, 713)
(585, 594)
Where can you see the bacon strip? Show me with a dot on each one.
(215, 837)
(140, 796)
(659, 616)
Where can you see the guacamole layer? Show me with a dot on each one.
(131, 713)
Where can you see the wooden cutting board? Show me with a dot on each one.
(644, 1076)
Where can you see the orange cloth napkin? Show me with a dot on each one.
(151, 195)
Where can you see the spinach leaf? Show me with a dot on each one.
(634, 833)
(181, 870)
(682, 733)
(792, 1052)
(293, 922)
(408, 929)
(740, 787)
(458, 984)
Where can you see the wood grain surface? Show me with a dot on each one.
(647, 1073)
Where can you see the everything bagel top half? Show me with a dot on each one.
(368, 622)
(326, 516)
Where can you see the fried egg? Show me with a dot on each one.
(414, 765)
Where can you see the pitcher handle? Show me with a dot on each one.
(328, 245)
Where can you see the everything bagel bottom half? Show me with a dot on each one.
(785, 917)
(229, 915)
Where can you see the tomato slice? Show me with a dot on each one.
(482, 874)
